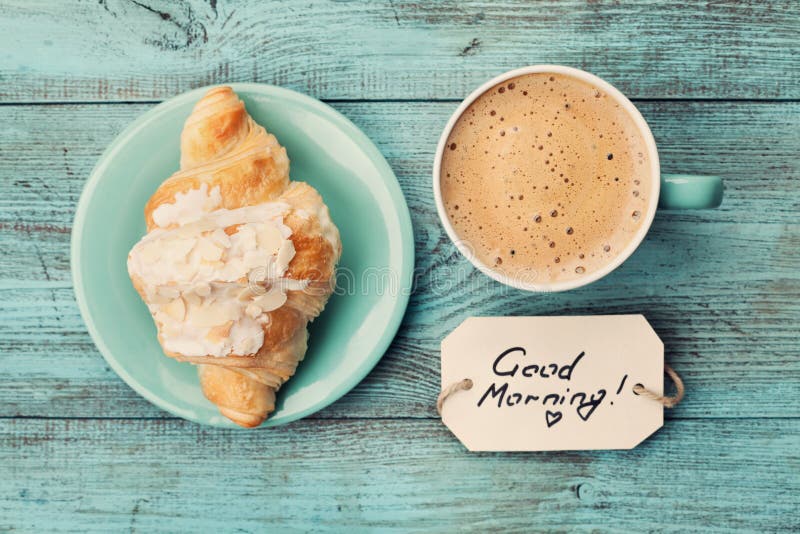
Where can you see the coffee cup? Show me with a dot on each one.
(664, 191)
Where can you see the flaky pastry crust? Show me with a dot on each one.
(222, 146)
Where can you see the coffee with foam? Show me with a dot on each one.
(546, 178)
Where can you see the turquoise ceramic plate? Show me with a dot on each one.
(365, 201)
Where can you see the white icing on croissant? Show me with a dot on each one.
(198, 276)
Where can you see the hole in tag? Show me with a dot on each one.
(637, 388)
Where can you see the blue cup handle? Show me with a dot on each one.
(687, 191)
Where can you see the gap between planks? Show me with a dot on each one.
(389, 101)
(361, 418)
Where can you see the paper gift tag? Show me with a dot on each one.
(553, 383)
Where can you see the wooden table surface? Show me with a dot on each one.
(719, 84)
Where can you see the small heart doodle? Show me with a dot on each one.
(552, 417)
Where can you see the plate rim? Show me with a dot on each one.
(353, 132)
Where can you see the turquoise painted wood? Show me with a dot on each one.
(80, 451)
(97, 475)
(101, 50)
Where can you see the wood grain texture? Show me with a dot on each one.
(80, 451)
(152, 49)
(339, 475)
(726, 298)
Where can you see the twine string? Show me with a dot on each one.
(638, 389)
(449, 390)
(667, 401)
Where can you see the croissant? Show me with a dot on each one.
(237, 259)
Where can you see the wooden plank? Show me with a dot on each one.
(721, 287)
(115, 50)
(109, 475)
